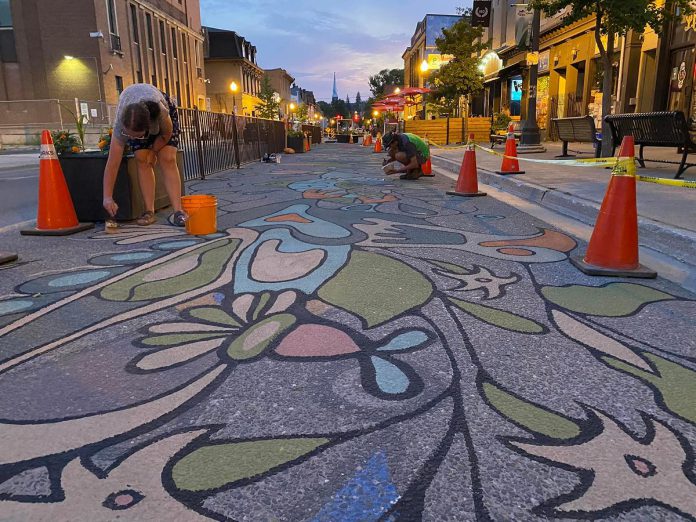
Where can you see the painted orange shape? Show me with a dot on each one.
(385, 199)
(295, 218)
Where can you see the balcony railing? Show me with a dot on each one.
(115, 42)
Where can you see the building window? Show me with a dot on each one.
(8, 51)
(134, 22)
(148, 23)
(139, 76)
(175, 51)
(184, 46)
(111, 15)
(154, 80)
(5, 14)
(119, 84)
(163, 40)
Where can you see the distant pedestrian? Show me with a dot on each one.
(146, 120)
(409, 151)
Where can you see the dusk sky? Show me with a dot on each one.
(311, 38)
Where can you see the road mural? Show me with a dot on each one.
(347, 347)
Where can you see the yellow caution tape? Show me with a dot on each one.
(620, 166)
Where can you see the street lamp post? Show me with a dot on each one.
(424, 68)
(234, 88)
(530, 139)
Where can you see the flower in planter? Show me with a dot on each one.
(75, 149)
(65, 141)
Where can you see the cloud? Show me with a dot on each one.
(312, 39)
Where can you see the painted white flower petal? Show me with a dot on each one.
(174, 268)
(178, 354)
(597, 340)
(241, 306)
(283, 302)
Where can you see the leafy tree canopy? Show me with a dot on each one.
(383, 78)
(269, 107)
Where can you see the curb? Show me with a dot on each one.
(669, 241)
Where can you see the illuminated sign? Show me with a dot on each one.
(515, 90)
(435, 61)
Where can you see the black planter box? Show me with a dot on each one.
(84, 175)
(343, 138)
(355, 138)
(296, 144)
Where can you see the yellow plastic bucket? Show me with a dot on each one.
(202, 214)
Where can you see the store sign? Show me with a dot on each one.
(544, 61)
(435, 61)
(481, 13)
(689, 22)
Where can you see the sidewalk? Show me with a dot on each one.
(347, 346)
(667, 215)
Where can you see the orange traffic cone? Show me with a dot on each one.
(56, 214)
(613, 247)
(510, 164)
(7, 257)
(378, 144)
(307, 146)
(467, 183)
(427, 169)
(367, 140)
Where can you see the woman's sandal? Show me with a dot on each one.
(147, 218)
(177, 219)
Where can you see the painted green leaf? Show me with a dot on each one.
(206, 264)
(499, 318)
(263, 300)
(529, 415)
(376, 288)
(259, 336)
(172, 339)
(676, 384)
(613, 300)
(214, 315)
(215, 466)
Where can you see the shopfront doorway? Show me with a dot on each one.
(681, 81)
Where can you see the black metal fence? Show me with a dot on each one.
(213, 142)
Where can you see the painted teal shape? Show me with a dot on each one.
(404, 341)
(360, 208)
(175, 245)
(365, 497)
(133, 256)
(14, 306)
(389, 377)
(316, 227)
(78, 278)
(336, 257)
(301, 186)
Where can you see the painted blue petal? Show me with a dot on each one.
(365, 497)
(174, 245)
(404, 341)
(133, 256)
(78, 278)
(14, 306)
(389, 377)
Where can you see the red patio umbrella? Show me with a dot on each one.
(414, 91)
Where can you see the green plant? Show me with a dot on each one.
(500, 121)
(295, 134)
(65, 141)
(80, 122)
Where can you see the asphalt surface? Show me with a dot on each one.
(347, 347)
(19, 179)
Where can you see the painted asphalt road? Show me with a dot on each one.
(347, 347)
(18, 194)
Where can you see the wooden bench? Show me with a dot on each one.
(576, 130)
(501, 138)
(654, 129)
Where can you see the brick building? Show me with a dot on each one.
(281, 81)
(91, 50)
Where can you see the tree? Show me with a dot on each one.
(612, 18)
(383, 78)
(358, 103)
(302, 112)
(335, 108)
(461, 75)
(270, 102)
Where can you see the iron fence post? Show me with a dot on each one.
(199, 143)
(235, 145)
(258, 135)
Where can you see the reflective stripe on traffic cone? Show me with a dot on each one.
(613, 247)
(510, 164)
(467, 183)
(56, 214)
(7, 257)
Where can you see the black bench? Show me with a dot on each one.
(654, 129)
(501, 138)
(577, 130)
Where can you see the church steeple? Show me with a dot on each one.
(334, 96)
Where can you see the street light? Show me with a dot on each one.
(530, 139)
(234, 88)
(292, 109)
(424, 68)
(375, 113)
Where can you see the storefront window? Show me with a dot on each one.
(542, 101)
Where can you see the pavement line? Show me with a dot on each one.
(15, 178)
(16, 226)
(666, 267)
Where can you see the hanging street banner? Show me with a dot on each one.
(481, 13)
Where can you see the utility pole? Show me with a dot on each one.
(530, 140)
